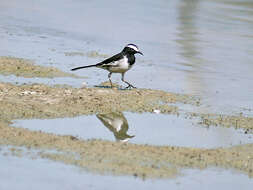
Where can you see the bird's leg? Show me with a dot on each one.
(129, 85)
(109, 77)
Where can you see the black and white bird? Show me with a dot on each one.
(119, 63)
(117, 124)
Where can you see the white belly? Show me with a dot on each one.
(120, 66)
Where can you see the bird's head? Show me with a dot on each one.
(131, 49)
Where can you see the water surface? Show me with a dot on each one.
(152, 129)
(24, 173)
(190, 46)
(202, 47)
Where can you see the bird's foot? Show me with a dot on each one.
(130, 86)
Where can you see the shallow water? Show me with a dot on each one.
(152, 129)
(190, 46)
(25, 173)
(202, 47)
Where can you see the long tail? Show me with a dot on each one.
(83, 67)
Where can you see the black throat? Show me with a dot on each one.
(131, 58)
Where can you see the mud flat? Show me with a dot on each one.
(127, 159)
(146, 161)
(241, 121)
(26, 68)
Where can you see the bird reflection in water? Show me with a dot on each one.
(116, 123)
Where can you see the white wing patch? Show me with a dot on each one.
(114, 63)
(133, 47)
(120, 66)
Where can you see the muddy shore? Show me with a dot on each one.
(26, 68)
(42, 101)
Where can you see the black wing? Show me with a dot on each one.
(103, 63)
(111, 59)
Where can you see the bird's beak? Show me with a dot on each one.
(140, 52)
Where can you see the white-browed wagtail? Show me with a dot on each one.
(116, 123)
(119, 63)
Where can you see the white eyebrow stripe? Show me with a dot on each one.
(133, 47)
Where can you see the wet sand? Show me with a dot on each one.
(26, 68)
(146, 161)
(127, 159)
